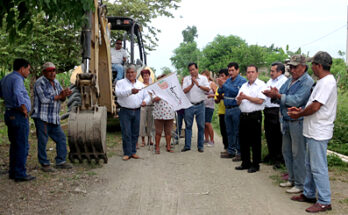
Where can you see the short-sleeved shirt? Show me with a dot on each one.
(162, 110)
(196, 95)
(209, 102)
(118, 55)
(221, 105)
(277, 83)
(45, 107)
(253, 90)
(319, 125)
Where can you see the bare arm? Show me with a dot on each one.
(296, 113)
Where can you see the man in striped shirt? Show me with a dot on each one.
(48, 95)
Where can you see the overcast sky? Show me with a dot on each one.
(312, 25)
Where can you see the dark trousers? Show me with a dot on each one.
(129, 121)
(273, 134)
(55, 132)
(250, 137)
(223, 130)
(18, 132)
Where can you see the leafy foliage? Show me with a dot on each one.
(183, 55)
(20, 13)
(49, 40)
(189, 34)
(339, 142)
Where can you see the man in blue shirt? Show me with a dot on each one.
(294, 92)
(230, 89)
(48, 95)
(17, 103)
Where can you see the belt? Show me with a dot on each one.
(198, 103)
(230, 106)
(14, 109)
(134, 109)
(271, 108)
(250, 114)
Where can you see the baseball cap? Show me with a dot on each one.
(48, 66)
(322, 58)
(297, 59)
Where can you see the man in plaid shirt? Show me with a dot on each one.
(48, 94)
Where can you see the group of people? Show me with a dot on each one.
(48, 95)
(299, 119)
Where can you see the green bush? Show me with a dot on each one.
(334, 160)
(339, 142)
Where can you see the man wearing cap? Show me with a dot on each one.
(17, 104)
(319, 116)
(271, 113)
(130, 96)
(48, 95)
(118, 58)
(294, 93)
(195, 87)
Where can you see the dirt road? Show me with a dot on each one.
(184, 183)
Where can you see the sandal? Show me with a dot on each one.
(169, 149)
(142, 144)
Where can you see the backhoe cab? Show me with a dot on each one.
(132, 37)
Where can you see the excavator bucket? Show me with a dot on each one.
(87, 134)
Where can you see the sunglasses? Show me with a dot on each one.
(118, 43)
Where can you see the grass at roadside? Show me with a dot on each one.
(339, 142)
(43, 195)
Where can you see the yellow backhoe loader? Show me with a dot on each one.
(93, 97)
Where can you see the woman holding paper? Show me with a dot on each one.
(163, 115)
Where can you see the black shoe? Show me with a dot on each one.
(64, 166)
(200, 150)
(241, 167)
(185, 149)
(27, 178)
(253, 169)
(227, 155)
(266, 159)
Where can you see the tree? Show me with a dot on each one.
(189, 34)
(166, 70)
(221, 51)
(49, 41)
(19, 14)
(187, 51)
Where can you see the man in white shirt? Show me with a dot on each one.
(319, 116)
(271, 112)
(251, 102)
(118, 58)
(195, 86)
(130, 97)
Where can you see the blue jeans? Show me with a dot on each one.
(119, 69)
(199, 111)
(181, 117)
(317, 175)
(129, 121)
(55, 132)
(232, 116)
(18, 132)
(294, 148)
